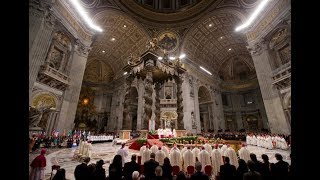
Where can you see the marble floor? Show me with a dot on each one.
(106, 151)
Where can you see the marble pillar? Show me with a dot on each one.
(148, 101)
(196, 108)
(273, 105)
(71, 95)
(180, 122)
(157, 89)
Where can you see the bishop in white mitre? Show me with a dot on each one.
(196, 152)
(244, 153)
(175, 157)
(144, 147)
(188, 159)
(231, 153)
(223, 149)
(204, 158)
(160, 155)
(216, 160)
(154, 148)
(145, 155)
(183, 150)
(208, 148)
(165, 150)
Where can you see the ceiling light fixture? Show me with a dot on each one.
(103, 51)
(182, 56)
(160, 58)
(229, 49)
(253, 15)
(85, 16)
(205, 70)
(172, 58)
(124, 26)
(125, 73)
(210, 25)
(113, 39)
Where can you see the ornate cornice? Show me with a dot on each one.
(257, 48)
(81, 49)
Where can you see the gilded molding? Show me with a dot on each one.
(275, 11)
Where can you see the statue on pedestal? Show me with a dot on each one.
(35, 115)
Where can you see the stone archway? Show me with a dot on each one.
(205, 109)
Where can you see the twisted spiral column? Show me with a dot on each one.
(126, 123)
(157, 104)
(147, 100)
(180, 122)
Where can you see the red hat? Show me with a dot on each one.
(188, 147)
(159, 148)
(43, 150)
(202, 148)
(216, 145)
(243, 144)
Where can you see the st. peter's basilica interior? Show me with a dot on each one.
(131, 68)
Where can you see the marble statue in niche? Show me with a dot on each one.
(191, 88)
(194, 124)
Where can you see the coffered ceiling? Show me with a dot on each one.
(205, 31)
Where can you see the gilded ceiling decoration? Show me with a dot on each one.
(213, 41)
(121, 37)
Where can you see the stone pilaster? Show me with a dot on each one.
(237, 107)
(126, 122)
(188, 102)
(71, 95)
(272, 101)
(220, 121)
(41, 25)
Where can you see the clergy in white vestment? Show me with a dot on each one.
(204, 158)
(123, 152)
(231, 153)
(183, 150)
(141, 151)
(175, 157)
(154, 148)
(145, 155)
(160, 155)
(223, 149)
(188, 159)
(244, 153)
(269, 143)
(208, 148)
(196, 152)
(89, 152)
(216, 160)
(165, 150)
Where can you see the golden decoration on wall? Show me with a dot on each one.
(43, 100)
(168, 41)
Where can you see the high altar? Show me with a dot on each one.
(155, 68)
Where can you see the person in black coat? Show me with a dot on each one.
(257, 164)
(198, 175)
(252, 174)
(227, 171)
(242, 168)
(130, 167)
(265, 168)
(115, 168)
(150, 167)
(99, 172)
(167, 169)
(60, 175)
(280, 169)
(81, 171)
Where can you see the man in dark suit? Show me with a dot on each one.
(131, 166)
(198, 175)
(150, 166)
(252, 174)
(82, 172)
(280, 170)
(227, 171)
